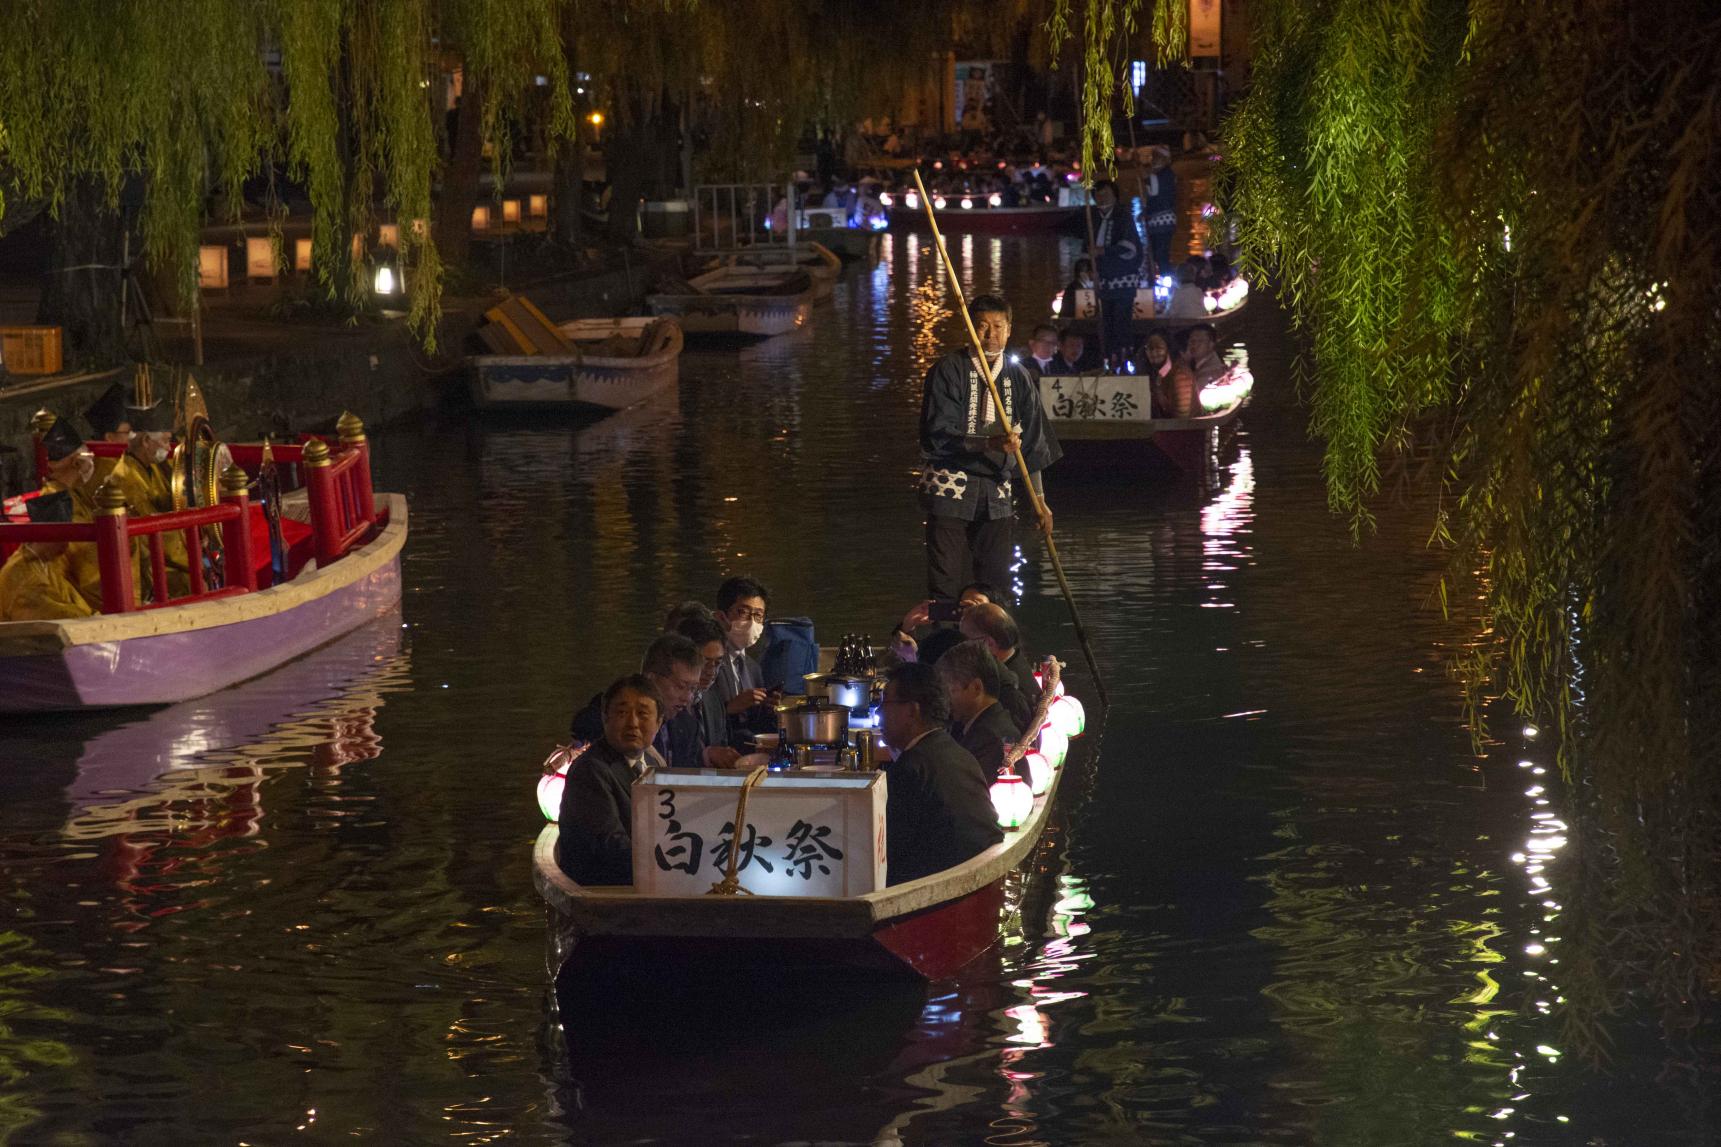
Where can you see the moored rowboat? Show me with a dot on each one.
(1110, 419)
(618, 363)
(741, 300)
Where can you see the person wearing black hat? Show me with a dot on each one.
(142, 476)
(36, 582)
(111, 421)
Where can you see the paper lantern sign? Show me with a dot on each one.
(481, 218)
(807, 834)
(212, 267)
(538, 205)
(301, 254)
(510, 211)
(1096, 398)
(388, 235)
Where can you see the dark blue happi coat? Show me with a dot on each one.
(959, 477)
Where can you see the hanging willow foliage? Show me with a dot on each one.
(1108, 40)
(1496, 223)
(181, 100)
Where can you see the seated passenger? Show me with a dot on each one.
(73, 469)
(1071, 347)
(971, 676)
(1081, 279)
(706, 706)
(909, 640)
(1201, 347)
(741, 604)
(1042, 349)
(1189, 301)
(938, 812)
(142, 476)
(671, 665)
(1017, 692)
(36, 582)
(108, 418)
(596, 820)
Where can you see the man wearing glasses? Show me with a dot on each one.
(740, 611)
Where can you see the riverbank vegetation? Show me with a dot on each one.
(1496, 225)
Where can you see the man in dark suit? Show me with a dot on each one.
(938, 813)
(596, 820)
(978, 722)
(672, 664)
(1017, 692)
(706, 633)
(741, 605)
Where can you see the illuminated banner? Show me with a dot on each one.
(1203, 28)
(1096, 398)
(806, 834)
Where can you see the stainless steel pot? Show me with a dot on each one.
(816, 723)
(816, 684)
(849, 692)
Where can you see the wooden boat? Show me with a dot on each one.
(756, 301)
(817, 260)
(981, 219)
(927, 928)
(1108, 419)
(844, 242)
(1148, 314)
(616, 363)
(345, 572)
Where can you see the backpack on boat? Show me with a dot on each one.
(791, 652)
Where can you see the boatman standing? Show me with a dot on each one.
(966, 464)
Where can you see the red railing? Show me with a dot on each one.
(338, 489)
(343, 509)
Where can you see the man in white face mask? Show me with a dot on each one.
(741, 604)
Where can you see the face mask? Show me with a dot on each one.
(158, 455)
(745, 634)
(86, 468)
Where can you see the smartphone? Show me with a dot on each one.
(943, 611)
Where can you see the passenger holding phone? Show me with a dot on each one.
(928, 647)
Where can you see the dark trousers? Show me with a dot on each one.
(1117, 307)
(1159, 244)
(959, 552)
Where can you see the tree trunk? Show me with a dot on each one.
(460, 183)
(570, 188)
(84, 286)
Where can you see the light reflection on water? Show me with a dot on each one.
(1281, 906)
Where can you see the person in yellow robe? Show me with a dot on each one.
(111, 421)
(35, 582)
(71, 469)
(142, 476)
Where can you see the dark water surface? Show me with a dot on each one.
(1283, 904)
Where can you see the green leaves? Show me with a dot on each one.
(1496, 225)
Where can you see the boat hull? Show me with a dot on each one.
(992, 220)
(930, 945)
(565, 383)
(161, 657)
(759, 316)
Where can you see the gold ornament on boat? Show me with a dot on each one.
(201, 458)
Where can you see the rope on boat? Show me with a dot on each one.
(729, 885)
(1048, 694)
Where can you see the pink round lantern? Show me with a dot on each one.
(1012, 799)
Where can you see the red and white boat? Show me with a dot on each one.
(343, 545)
(924, 929)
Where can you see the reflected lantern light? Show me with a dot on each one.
(1012, 799)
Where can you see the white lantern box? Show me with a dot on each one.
(807, 835)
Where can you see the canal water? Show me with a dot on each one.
(1283, 903)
